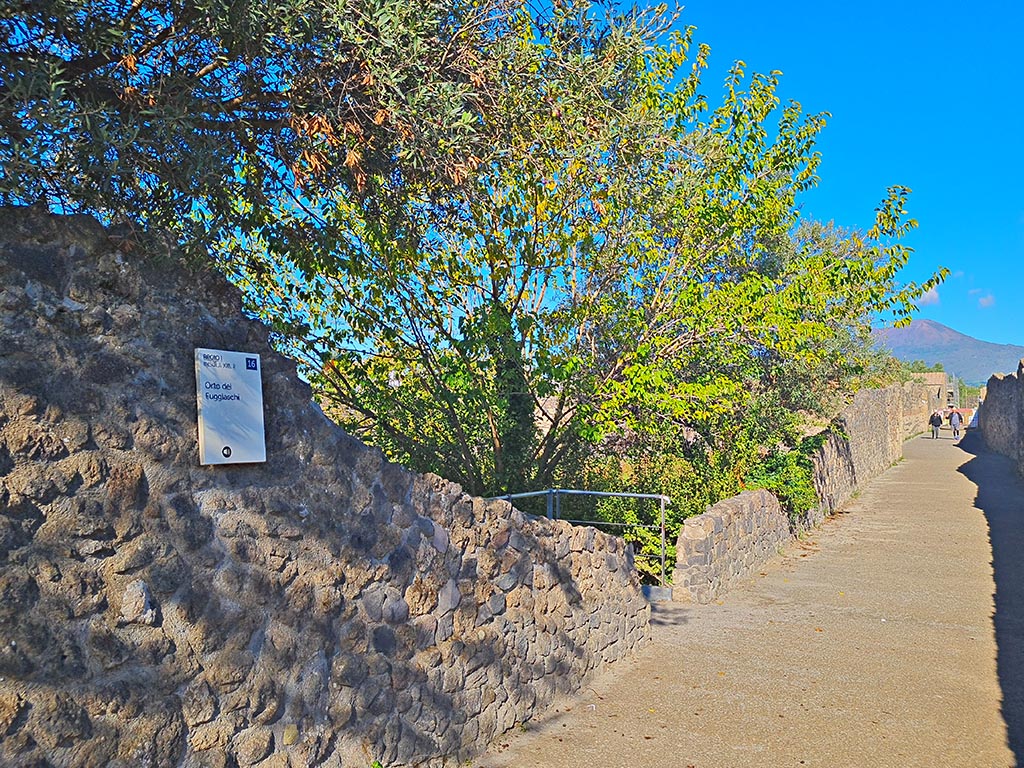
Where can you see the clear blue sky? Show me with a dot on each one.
(929, 95)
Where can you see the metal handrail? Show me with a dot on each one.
(554, 509)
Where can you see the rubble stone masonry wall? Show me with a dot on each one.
(736, 536)
(727, 543)
(323, 608)
(1001, 416)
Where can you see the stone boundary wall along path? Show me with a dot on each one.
(1001, 416)
(865, 440)
(324, 608)
(734, 537)
(727, 542)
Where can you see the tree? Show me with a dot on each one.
(439, 341)
(720, 291)
(216, 118)
(970, 395)
(920, 366)
(627, 264)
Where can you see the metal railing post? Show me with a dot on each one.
(663, 547)
(550, 501)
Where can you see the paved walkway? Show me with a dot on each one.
(873, 642)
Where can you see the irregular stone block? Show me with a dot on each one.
(138, 605)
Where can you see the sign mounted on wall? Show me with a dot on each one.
(229, 394)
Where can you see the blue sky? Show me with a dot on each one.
(929, 95)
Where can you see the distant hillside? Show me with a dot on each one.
(970, 359)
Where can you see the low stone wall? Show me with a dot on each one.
(324, 608)
(735, 536)
(864, 441)
(921, 398)
(726, 543)
(1001, 415)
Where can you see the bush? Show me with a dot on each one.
(788, 475)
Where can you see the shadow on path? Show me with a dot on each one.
(669, 614)
(1001, 498)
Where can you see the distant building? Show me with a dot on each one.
(944, 389)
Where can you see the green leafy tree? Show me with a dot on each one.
(214, 117)
(720, 295)
(627, 264)
(969, 394)
(450, 342)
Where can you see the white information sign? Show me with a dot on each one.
(229, 393)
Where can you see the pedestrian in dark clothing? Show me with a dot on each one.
(936, 422)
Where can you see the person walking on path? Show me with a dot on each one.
(956, 420)
(936, 422)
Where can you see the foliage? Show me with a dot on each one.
(626, 261)
(514, 246)
(449, 342)
(969, 395)
(789, 476)
(920, 366)
(691, 479)
(210, 118)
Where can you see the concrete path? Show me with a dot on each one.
(873, 642)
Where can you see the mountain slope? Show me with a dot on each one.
(969, 358)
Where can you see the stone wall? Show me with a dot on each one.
(864, 441)
(922, 397)
(727, 543)
(324, 608)
(734, 537)
(1001, 415)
